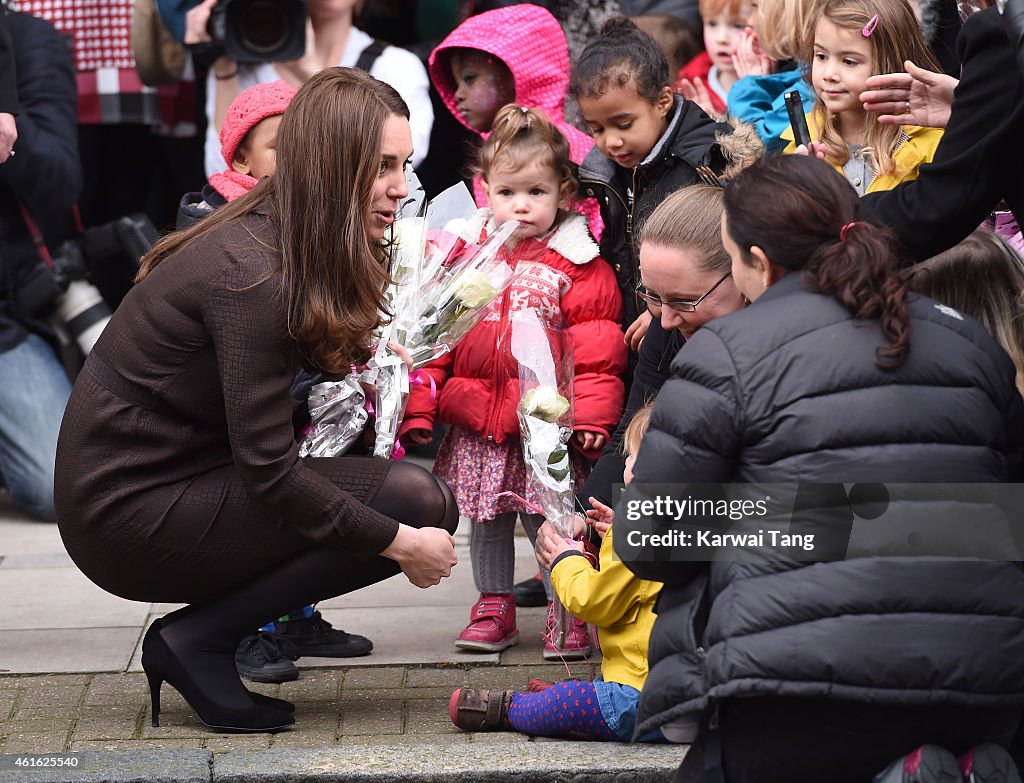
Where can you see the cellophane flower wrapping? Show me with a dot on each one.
(546, 417)
(442, 288)
(337, 417)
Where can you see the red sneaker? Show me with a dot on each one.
(492, 624)
(577, 639)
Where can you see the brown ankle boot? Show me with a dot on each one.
(480, 709)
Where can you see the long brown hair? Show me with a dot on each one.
(333, 273)
(896, 37)
(984, 277)
(797, 209)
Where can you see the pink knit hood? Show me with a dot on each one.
(529, 40)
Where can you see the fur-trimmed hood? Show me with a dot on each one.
(571, 239)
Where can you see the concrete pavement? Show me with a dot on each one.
(72, 690)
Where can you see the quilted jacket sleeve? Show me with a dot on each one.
(592, 308)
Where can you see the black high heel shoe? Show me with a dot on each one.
(258, 698)
(161, 664)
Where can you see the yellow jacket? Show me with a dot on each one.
(618, 602)
(915, 147)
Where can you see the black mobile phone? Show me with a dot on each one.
(795, 107)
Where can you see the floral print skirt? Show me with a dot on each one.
(477, 470)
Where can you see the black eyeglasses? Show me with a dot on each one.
(679, 305)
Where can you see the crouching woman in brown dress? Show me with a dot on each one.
(178, 478)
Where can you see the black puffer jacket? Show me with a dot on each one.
(786, 391)
(657, 351)
(628, 196)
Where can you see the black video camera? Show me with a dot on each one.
(259, 31)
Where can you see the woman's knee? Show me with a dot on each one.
(416, 497)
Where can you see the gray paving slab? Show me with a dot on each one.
(67, 650)
(62, 598)
(38, 560)
(20, 535)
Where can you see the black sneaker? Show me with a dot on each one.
(314, 637)
(259, 658)
(530, 592)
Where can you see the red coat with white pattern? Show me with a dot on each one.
(478, 383)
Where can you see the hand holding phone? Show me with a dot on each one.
(797, 119)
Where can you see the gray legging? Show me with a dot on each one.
(492, 550)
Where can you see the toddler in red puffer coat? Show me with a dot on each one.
(526, 174)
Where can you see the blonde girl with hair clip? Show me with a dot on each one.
(527, 176)
(853, 40)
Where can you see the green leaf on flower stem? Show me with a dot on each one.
(558, 455)
(558, 474)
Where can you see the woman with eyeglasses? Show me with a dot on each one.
(686, 280)
(806, 667)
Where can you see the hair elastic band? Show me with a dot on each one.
(845, 229)
(870, 26)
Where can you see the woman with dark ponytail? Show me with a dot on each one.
(831, 659)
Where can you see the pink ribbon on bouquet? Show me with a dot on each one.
(522, 500)
(416, 379)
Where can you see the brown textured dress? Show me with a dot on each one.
(177, 471)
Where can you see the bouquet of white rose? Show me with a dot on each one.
(546, 418)
(443, 285)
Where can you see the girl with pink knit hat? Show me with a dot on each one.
(247, 138)
(516, 54)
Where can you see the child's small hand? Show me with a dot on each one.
(550, 544)
(697, 92)
(600, 516)
(817, 149)
(420, 436)
(402, 352)
(636, 331)
(589, 440)
(749, 59)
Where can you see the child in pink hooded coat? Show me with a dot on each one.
(520, 51)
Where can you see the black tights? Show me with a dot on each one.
(205, 634)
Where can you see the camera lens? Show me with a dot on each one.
(264, 26)
(83, 313)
